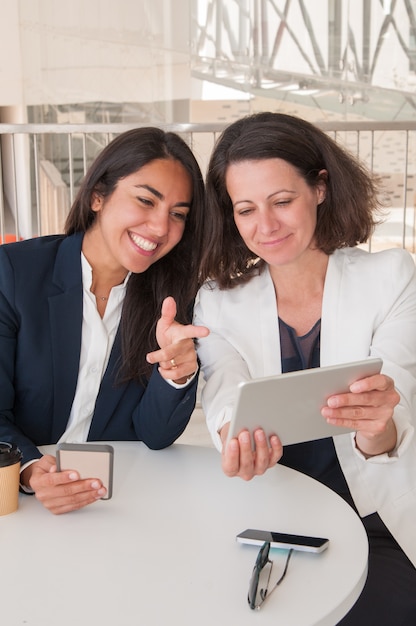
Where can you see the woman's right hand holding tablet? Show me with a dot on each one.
(239, 459)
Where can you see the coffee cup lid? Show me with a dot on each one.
(9, 454)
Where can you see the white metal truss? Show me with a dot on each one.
(355, 52)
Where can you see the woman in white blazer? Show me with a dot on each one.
(288, 288)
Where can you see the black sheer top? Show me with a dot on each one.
(315, 458)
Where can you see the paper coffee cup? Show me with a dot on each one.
(10, 457)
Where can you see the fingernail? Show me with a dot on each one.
(95, 484)
(73, 476)
(102, 491)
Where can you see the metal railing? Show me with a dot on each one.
(41, 166)
(30, 151)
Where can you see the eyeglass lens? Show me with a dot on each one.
(262, 560)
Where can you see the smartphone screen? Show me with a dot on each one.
(283, 540)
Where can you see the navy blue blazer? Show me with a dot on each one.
(40, 342)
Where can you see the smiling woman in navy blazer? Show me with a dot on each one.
(95, 342)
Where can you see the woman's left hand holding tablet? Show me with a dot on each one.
(177, 357)
(368, 409)
(239, 459)
(60, 492)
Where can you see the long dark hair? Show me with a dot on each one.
(175, 274)
(345, 218)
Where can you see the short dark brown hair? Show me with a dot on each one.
(346, 217)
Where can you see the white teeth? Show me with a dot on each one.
(143, 243)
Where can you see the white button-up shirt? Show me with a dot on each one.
(98, 336)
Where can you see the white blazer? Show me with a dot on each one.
(369, 308)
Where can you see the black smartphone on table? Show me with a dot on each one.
(303, 543)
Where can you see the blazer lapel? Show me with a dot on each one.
(346, 328)
(269, 339)
(110, 393)
(330, 332)
(66, 325)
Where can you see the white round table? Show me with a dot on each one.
(163, 549)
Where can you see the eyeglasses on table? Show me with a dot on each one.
(257, 594)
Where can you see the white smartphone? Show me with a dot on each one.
(283, 540)
(94, 460)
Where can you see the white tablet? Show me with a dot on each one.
(289, 405)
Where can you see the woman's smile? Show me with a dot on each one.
(142, 219)
(143, 244)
